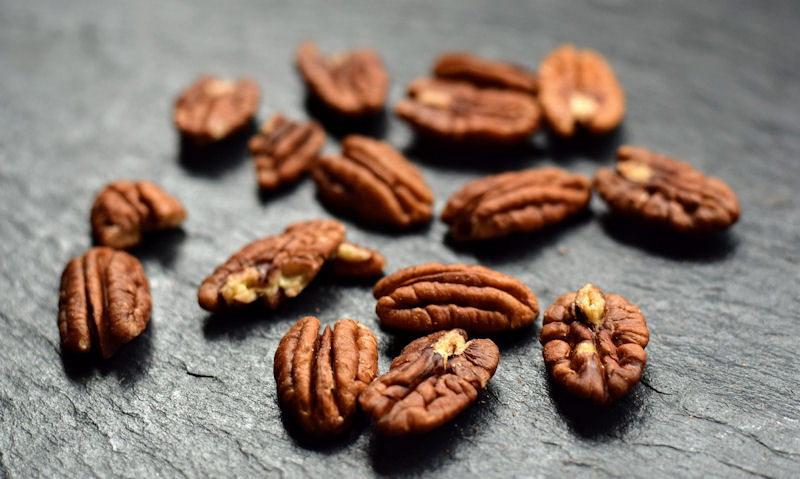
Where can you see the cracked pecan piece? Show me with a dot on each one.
(375, 182)
(272, 269)
(594, 344)
(124, 210)
(667, 192)
(212, 109)
(354, 261)
(460, 112)
(432, 380)
(319, 376)
(104, 301)
(352, 84)
(515, 202)
(284, 150)
(482, 72)
(434, 296)
(578, 87)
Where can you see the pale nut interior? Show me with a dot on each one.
(245, 286)
(451, 344)
(585, 348)
(582, 106)
(590, 303)
(434, 98)
(219, 87)
(352, 253)
(635, 171)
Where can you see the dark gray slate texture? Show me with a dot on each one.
(87, 91)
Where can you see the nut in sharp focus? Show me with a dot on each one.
(432, 380)
(482, 72)
(515, 202)
(124, 210)
(594, 344)
(104, 301)
(663, 191)
(319, 376)
(433, 296)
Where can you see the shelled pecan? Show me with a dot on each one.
(357, 262)
(515, 202)
(124, 210)
(375, 182)
(661, 190)
(594, 344)
(104, 301)
(432, 380)
(433, 296)
(482, 72)
(212, 109)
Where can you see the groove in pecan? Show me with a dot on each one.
(284, 150)
(212, 109)
(432, 380)
(124, 210)
(433, 296)
(353, 83)
(515, 202)
(353, 261)
(661, 190)
(460, 112)
(104, 301)
(375, 182)
(482, 72)
(578, 87)
(594, 344)
(273, 268)
(319, 376)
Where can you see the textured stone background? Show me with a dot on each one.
(87, 90)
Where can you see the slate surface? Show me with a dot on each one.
(87, 90)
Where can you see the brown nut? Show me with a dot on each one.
(124, 210)
(353, 261)
(515, 202)
(481, 72)
(353, 83)
(433, 296)
(319, 376)
(212, 109)
(432, 380)
(578, 87)
(104, 301)
(460, 112)
(284, 150)
(273, 268)
(663, 191)
(375, 182)
(594, 344)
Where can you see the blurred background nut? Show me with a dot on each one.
(212, 109)
(482, 72)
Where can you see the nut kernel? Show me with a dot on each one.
(582, 106)
(243, 287)
(585, 347)
(590, 305)
(451, 344)
(635, 171)
(350, 252)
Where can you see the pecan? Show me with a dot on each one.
(460, 112)
(661, 190)
(579, 87)
(432, 380)
(515, 202)
(594, 344)
(484, 73)
(352, 83)
(124, 210)
(375, 182)
(433, 296)
(319, 376)
(284, 150)
(104, 301)
(212, 109)
(356, 262)
(273, 268)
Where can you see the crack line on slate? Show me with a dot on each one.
(668, 446)
(199, 375)
(740, 468)
(650, 386)
(743, 433)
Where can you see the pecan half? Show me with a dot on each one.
(273, 268)
(283, 150)
(661, 190)
(432, 380)
(212, 109)
(515, 202)
(352, 83)
(124, 210)
(319, 376)
(483, 72)
(353, 261)
(578, 87)
(433, 296)
(594, 344)
(104, 301)
(375, 182)
(460, 112)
